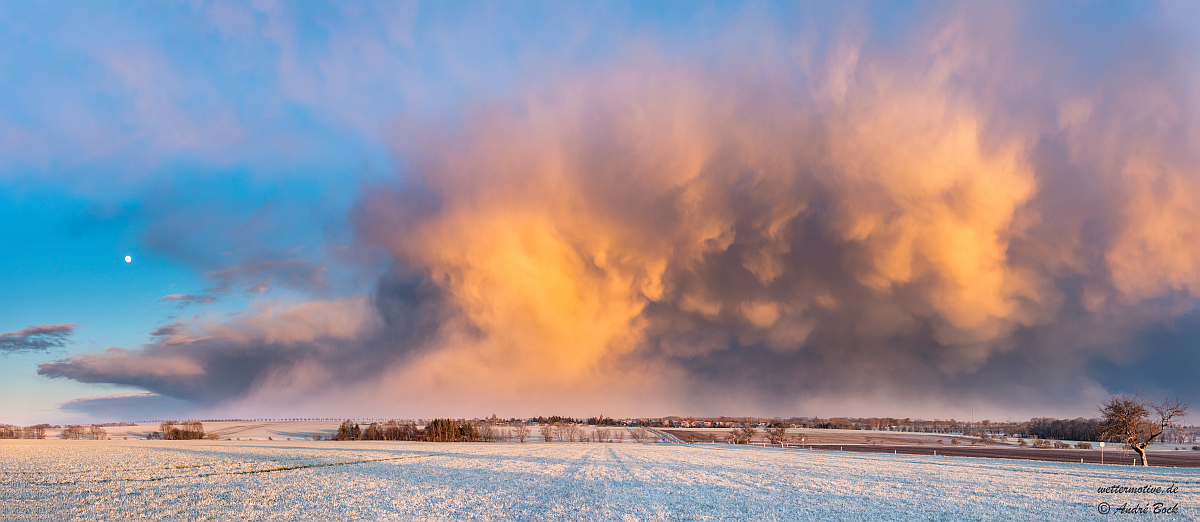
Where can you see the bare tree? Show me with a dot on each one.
(522, 432)
(778, 434)
(547, 432)
(742, 435)
(488, 432)
(573, 432)
(97, 433)
(639, 435)
(1128, 420)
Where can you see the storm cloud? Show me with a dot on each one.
(41, 337)
(970, 211)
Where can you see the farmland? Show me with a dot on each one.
(284, 480)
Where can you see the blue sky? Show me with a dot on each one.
(713, 204)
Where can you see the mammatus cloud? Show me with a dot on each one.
(37, 338)
(949, 220)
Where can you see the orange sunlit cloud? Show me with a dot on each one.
(831, 223)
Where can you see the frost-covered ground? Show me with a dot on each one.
(220, 480)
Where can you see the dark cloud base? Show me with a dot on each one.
(130, 407)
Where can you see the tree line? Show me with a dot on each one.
(171, 430)
(28, 432)
(76, 432)
(1063, 429)
(462, 430)
(69, 432)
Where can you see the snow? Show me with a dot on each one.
(281, 480)
(244, 430)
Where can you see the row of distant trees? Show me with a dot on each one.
(571, 432)
(168, 430)
(437, 430)
(28, 432)
(76, 432)
(462, 430)
(1064, 429)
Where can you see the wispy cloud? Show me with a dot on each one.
(37, 338)
(256, 278)
(187, 299)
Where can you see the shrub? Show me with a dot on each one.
(1084, 445)
(1041, 443)
(1058, 444)
(1022, 443)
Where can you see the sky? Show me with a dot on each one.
(410, 209)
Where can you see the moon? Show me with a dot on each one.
(128, 259)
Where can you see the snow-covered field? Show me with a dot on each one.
(297, 430)
(280, 480)
(243, 430)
